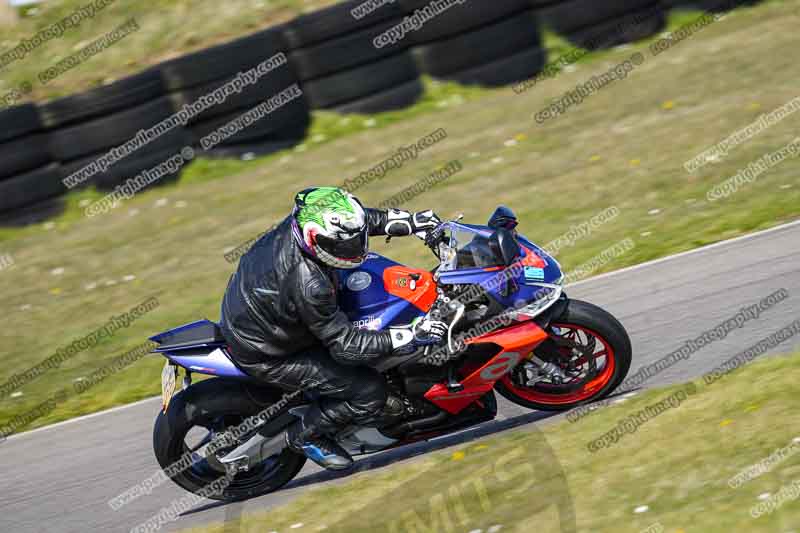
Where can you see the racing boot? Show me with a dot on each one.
(308, 437)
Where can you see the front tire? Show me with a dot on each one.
(589, 326)
(212, 406)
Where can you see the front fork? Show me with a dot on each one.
(536, 368)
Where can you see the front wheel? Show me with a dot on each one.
(592, 351)
(195, 416)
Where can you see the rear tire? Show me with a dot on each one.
(200, 404)
(586, 317)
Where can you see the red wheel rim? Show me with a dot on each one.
(587, 390)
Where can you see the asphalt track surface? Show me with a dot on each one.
(59, 478)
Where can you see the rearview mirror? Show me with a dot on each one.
(504, 245)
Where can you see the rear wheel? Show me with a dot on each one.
(592, 352)
(195, 416)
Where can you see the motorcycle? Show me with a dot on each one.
(512, 330)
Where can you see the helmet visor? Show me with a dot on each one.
(352, 248)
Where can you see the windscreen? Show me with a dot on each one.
(468, 249)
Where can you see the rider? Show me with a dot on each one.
(282, 322)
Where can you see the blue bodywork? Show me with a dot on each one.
(372, 306)
(366, 303)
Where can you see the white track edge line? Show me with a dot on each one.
(687, 252)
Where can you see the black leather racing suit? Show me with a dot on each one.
(281, 319)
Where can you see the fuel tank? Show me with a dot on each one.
(382, 293)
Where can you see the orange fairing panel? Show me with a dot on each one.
(522, 337)
(421, 292)
(531, 259)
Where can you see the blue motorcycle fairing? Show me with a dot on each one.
(366, 302)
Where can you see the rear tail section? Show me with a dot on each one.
(198, 347)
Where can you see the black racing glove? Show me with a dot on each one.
(402, 223)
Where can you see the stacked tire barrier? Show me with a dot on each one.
(28, 174)
(598, 24)
(191, 77)
(352, 57)
(484, 43)
(339, 66)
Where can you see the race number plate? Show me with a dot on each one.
(169, 379)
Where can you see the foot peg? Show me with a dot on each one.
(453, 384)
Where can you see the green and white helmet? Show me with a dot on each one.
(331, 225)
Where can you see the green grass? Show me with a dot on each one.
(624, 147)
(683, 480)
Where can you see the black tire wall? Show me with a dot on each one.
(331, 56)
